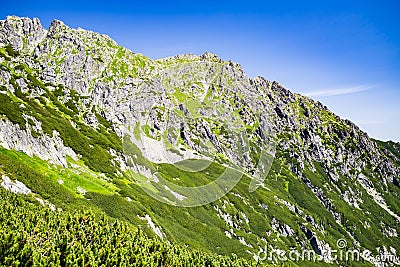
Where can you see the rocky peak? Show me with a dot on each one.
(211, 57)
(57, 26)
(23, 34)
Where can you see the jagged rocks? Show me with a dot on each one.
(16, 187)
(23, 34)
(45, 147)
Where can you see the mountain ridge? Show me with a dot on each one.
(71, 91)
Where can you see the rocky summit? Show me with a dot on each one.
(187, 152)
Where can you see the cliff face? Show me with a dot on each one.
(69, 96)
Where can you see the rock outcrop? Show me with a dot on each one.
(72, 94)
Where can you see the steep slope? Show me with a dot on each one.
(70, 96)
(86, 239)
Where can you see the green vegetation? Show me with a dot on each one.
(92, 144)
(36, 236)
(12, 110)
(10, 51)
(43, 179)
(392, 147)
(200, 227)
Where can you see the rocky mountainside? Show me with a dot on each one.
(87, 123)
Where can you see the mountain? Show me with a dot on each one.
(189, 150)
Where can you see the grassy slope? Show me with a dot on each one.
(32, 235)
(200, 227)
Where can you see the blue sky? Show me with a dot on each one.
(345, 54)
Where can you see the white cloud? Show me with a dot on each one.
(339, 91)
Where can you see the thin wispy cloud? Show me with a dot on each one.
(340, 91)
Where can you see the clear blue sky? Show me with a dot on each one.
(345, 54)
